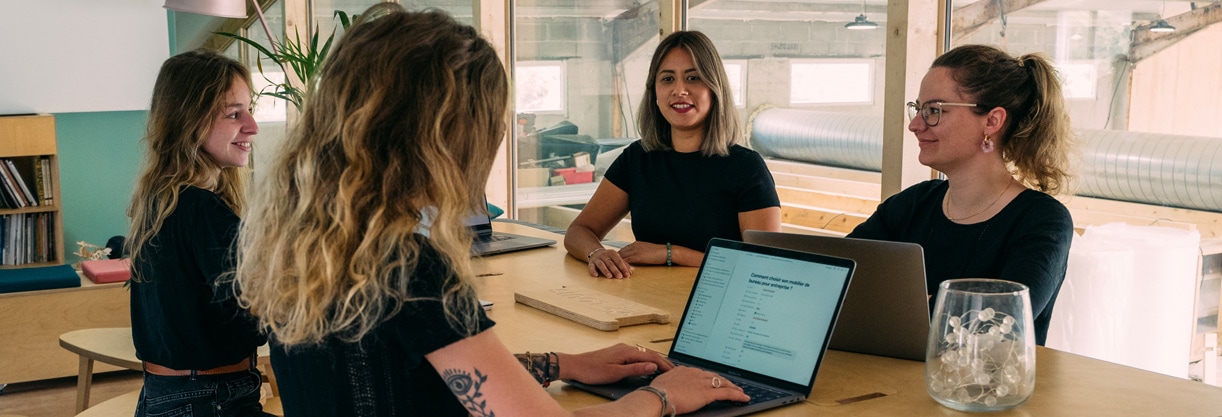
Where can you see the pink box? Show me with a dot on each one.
(107, 270)
(572, 176)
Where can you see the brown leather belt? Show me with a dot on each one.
(244, 365)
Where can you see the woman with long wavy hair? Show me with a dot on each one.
(368, 316)
(196, 345)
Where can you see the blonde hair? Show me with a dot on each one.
(188, 96)
(722, 127)
(407, 116)
(1037, 139)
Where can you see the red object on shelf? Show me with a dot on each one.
(572, 176)
(107, 270)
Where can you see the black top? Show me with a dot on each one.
(383, 374)
(1027, 242)
(687, 199)
(180, 318)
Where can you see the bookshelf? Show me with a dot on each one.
(28, 141)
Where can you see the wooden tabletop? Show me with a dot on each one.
(114, 346)
(111, 345)
(1066, 384)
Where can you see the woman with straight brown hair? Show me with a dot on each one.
(687, 180)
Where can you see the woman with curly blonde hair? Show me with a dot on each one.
(196, 344)
(366, 313)
(997, 127)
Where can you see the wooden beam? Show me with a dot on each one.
(971, 18)
(493, 18)
(913, 41)
(1147, 43)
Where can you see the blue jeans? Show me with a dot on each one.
(228, 395)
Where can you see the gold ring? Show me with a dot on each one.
(716, 382)
(640, 348)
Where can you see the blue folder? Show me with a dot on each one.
(39, 278)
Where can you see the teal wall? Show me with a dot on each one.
(99, 154)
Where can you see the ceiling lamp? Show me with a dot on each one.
(1161, 26)
(234, 9)
(861, 23)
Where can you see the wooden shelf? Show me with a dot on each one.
(32, 138)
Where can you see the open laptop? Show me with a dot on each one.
(486, 242)
(886, 312)
(760, 317)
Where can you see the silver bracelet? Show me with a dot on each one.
(590, 256)
(668, 409)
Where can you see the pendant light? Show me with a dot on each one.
(861, 22)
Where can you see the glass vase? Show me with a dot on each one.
(981, 352)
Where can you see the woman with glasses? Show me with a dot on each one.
(997, 128)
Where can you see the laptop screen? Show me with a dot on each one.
(763, 310)
(479, 223)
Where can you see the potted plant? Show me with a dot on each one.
(304, 58)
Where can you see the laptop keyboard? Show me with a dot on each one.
(758, 393)
(495, 237)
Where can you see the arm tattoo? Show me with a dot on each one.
(467, 390)
(544, 367)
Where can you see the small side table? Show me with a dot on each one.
(114, 346)
(110, 345)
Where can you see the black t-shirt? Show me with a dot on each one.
(385, 373)
(1027, 242)
(180, 317)
(687, 199)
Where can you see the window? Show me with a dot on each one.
(1078, 80)
(540, 86)
(831, 82)
(737, 73)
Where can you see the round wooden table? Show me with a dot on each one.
(110, 345)
(114, 346)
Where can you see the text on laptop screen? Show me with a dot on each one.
(738, 295)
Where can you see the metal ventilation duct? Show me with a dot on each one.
(1167, 170)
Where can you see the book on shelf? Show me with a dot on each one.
(12, 192)
(26, 238)
(6, 200)
(21, 183)
(44, 180)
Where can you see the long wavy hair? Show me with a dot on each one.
(1037, 140)
(722, 126)
(188, 96)
(407, 117)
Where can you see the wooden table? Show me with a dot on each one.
(113, 346)
(1066, 384)
(109, 345)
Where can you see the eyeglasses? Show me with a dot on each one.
(931, 112)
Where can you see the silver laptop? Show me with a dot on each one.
(887, 310)
(761, 317)
(486, 242)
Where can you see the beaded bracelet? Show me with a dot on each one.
(668, 409)
(544, 367)
(590, 256)
(668, 262)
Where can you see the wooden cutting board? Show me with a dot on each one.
(592, 308)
